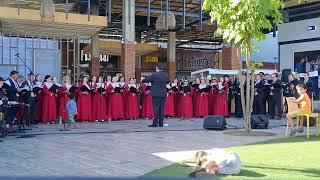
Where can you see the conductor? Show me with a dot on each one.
(158, 80)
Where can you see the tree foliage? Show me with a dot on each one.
(239, 22)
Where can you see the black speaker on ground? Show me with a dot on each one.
(213, 122)
(284, 75)
(259, 121)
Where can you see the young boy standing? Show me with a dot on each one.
(304, 107)
(72, 110)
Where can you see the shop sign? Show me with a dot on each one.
(87, 57)
(197, 62)
(151, 59)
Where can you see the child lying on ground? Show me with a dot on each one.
(304, 107)
(218, 161)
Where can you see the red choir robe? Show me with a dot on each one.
(99, 110)
(132, 102)
(49, 105)
(210, 95)
(115, 107)
(221, 102)
(147, 109)
(169, 104)
(185, 106)
(84, 104)
(124, 95)
(107, 96)
(202, 101)
(176, 99)
(63, 98)
(39, 99)
(195, 99)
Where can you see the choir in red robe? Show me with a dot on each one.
(99, 110)
(185, 107)
(147, 110)
(115, 107)
(118, 100)
(49, 105)
(169, 104)
(221, 102)
(202, 100)
(84, 104)
(132, 103)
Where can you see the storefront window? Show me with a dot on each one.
(306, 61)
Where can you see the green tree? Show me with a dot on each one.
(239, 22)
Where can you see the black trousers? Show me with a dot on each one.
(275, 106)
(10, 115)
(158, 108)
(259, 104)
(229, 103)
(33, 101)
(238, 108)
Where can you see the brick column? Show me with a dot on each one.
(138, 68)
(95, 60)
(128, 60)
(128, 54)
(230, 58)
(171, 55)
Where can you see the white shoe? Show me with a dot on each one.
(165, 124)
(60, 121)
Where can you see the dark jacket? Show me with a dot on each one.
(158, 80)
(309, 87)
(260, 88)
(12, 91)
(277, 91)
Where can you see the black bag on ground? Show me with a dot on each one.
(259, 121)
(214, 122)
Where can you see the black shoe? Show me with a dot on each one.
(153, 125)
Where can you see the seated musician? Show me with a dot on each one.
(12, 94)
(304, 107)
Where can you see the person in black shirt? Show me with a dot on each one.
(292, 83)
(229, 92)
(259, 99)
(159, 80)
(308, 83)
(276, 95)
(237, 97)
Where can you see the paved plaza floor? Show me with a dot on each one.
(120, 148)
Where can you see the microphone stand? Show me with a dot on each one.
(183, 104)
(29, 96)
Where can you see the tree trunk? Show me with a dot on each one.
(241, 80)
(248, 94)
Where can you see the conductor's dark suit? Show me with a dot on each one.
(158, 90)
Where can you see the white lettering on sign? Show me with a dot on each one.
(87, 57)
(194, 62)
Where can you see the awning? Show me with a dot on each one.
(29, 22)
(210, 71)
(115, 47)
